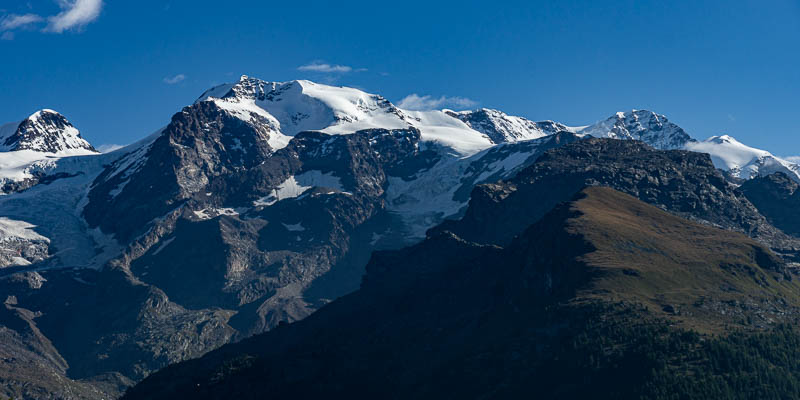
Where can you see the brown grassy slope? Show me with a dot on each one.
(700, 276)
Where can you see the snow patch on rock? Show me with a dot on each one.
(298, 227)
(295, 186)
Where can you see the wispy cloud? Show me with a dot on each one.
(326, 68)
(417, 102)
(75, 14)
(793, 159)
(171, 80)
(13, 21)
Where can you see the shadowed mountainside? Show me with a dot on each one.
(776, 197)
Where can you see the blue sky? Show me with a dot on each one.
(120, 69)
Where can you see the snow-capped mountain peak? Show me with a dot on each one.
(723, 139)
(44, 131)
(296, 106)
(742, 161)
(304, 105)
(502, 128)
(728, 154)
(654, 129)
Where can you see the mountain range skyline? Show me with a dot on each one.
(572, 63)
(246, 96)
(424, 103)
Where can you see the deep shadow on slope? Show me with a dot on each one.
(777, 198)
(580, 304)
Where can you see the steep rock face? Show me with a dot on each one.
(448, 318)
(776, 197)
(45, 131)
(684, 183)
(256, 241)
(202, 142)
(647, 126)
(268, 238)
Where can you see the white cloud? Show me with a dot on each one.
(108, 148)
(323, 67)
(793, 159)
(174, 79)
(75, 14)
(13, 21)
(417, 102)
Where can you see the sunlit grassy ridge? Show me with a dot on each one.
(700, 276)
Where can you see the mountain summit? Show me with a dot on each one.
(647, 126)
(44, 131)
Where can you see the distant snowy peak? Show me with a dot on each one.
(742, 161)
(729, 140)
(736, 159)
(502, 128)
(44, 131)
(647, 126)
